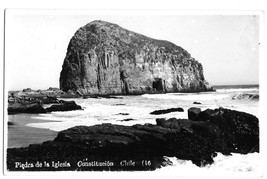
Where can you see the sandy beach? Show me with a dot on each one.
(21, 135)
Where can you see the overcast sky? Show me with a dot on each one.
(36, 42)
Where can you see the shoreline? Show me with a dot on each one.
(142, 147)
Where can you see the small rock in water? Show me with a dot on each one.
(124, 114)
(165, 111)
(197, 103)
(128, 119)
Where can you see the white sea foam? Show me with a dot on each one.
(188, 96)
(249, 165)
(228, 90)
(97, 111)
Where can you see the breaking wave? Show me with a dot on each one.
(229, 90)
(188, 96)
(236, 165)
(247, 96)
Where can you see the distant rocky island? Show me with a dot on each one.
(105, 59)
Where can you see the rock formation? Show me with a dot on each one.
(64, 106)
(193, 113)
(35, 105)
(15, 108)
(104, 58)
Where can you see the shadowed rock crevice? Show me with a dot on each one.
(158, 85)
(125, 89)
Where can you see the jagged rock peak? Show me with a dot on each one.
(104, 58)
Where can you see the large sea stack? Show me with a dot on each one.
(104, 58)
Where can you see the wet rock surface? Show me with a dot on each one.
(64, 106)
(240, 130)
(220, 130)
(25, 108)
(193, 113)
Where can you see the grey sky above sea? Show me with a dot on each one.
(36, 42)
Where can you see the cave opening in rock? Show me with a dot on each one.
(125, 89)
(157, 84)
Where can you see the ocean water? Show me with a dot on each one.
(138, 108)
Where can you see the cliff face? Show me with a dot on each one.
(103, 58)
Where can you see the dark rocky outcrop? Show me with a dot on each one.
(64, 106)
(219, 130)
(34, 104)
(196, 102)
(49, 100)
(102, 96)
(193, 113)
(25, 108)
(9, 123)
(29, 93)
(240, 130)
(104, 58)
(165, 111)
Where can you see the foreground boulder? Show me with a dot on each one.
(64, 106)
(193, 113)
(239, 129)
(142, 147)
(104, 58)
